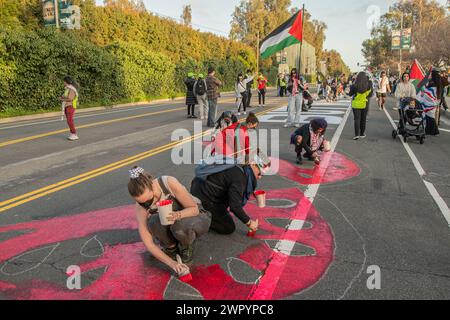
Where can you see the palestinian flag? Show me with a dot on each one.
(288, 34)
(417, 75)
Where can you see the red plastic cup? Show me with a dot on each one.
(260, 198)
(164, 209)
(251, 233)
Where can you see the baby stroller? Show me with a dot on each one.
(412, 120)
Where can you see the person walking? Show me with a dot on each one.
(444, 84)
(212, 84)
(295, 91)
(360, 91)
(69, 103)
(189, 220)
(241, 92)
(262, 89)
(191, 99)
(405, 89)
(200, 89)
(248, 99)
(383, 90)
(283, 85)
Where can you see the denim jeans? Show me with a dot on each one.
(212, 112)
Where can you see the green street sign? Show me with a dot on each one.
(396, 39)
(69, 15)
(406, 39)
(48, 12)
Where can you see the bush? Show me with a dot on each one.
(142, 74)
(38, 61)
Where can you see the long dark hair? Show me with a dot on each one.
(362, 82)
(69, 80)
(296, 73)
(436, 82)
(319, 123)
(237, 79)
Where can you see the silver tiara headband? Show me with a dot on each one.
(136, 172)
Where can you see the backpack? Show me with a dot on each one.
(212, 166)
(200, 87)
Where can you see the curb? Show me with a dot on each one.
(86, 110)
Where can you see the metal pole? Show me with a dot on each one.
(301, 43)
(56, 13)
(257, 53)
(401, 43)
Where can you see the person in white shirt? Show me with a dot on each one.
(383, 90)
(241, 92)
(405, 89)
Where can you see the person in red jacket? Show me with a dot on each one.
(234, 141)
(262, 89)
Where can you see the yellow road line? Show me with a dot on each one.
(33, 195)
(51, 133)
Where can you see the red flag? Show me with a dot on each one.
(416, 72)
(297, 27)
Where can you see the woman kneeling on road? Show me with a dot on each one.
(189, 219)
(310, 138)
(230, 188)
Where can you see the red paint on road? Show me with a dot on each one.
(129, 275)
(339, 168)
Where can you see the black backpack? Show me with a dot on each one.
(200, 87)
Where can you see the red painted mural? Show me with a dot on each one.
(289, 258)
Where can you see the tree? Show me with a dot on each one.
(253, 17)
(187, 15)
(263, 16)
(335, 64)
(420, 15)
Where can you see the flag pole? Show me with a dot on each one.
(301, 43)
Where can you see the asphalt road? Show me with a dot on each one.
(366, 207)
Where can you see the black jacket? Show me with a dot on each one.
(226, 187)
(190, 97)
(306, 135)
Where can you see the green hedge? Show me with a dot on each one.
(33, 64)
(36, 63)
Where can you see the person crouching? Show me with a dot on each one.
(311, 139)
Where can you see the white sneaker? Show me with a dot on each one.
(297, 125)
(72, 137)
(363, 137)
(286, 125)
(244, 113)
(356, 138)
(238, 113)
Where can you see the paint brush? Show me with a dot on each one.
(186, 275)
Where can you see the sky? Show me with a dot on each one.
(348, 21)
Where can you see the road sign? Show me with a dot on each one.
(396, 39)
(68, 16)
(406, 39)
(48, 12)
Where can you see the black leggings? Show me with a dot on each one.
(262, 96)
(360, 121)
(191, 109)
(222, 221)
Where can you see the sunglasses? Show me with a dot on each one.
(147, 205)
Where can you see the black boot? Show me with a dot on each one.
(299, 159)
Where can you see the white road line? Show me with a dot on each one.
(431, 188)
(286, 246)
(440, 129)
